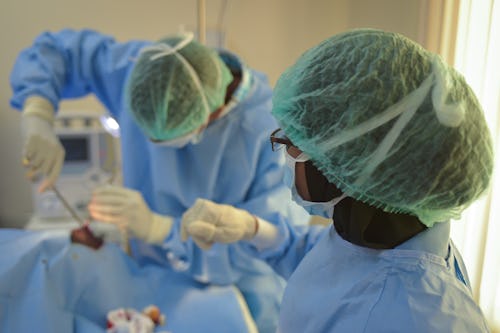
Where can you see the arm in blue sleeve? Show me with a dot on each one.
(289, 248)
(271, 201)
(266, 197)
(71, 64)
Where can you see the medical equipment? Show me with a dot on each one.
(90, 161)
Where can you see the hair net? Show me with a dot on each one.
(387, 122)
(175, 85)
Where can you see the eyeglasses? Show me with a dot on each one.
(279, 140)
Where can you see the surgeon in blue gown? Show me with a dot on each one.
(194, 123)
(390, 142)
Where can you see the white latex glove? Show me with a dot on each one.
(208, 222)
(127, 209)
(43, 153)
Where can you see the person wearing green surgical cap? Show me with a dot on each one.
(174, 87)
(388, 141)
(194, 126)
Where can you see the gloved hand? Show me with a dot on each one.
(207, 222)
(43, 153)
(127, 209)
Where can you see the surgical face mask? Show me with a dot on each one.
(180, 142)
(324, 209)
(190, 138)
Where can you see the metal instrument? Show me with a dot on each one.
(68, 206)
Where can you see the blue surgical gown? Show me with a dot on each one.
(419, 286)
(49, 285)
(233, 164)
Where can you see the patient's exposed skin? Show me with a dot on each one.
(84, 235)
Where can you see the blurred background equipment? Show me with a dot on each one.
(91, 159)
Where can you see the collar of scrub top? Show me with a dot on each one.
(436, 240)
(433, 239)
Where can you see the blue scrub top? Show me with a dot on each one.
(419, 286)
(233, 164)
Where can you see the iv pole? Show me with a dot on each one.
(201, 22)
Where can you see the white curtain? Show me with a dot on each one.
(477, 235)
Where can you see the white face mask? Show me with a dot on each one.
(190, 138)
(324, 209)
(183, 141)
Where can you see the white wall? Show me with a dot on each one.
(268, 34)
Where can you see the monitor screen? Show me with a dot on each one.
(77, 149)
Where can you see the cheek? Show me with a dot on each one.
(300, 181)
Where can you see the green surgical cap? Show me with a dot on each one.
(389, 123)
(174, 86)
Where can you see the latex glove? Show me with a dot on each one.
(43, 153)
(208, 222)
(127, 209)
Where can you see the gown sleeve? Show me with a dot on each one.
(72, 64)
(271, 201)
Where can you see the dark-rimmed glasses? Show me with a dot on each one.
(279, 140)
